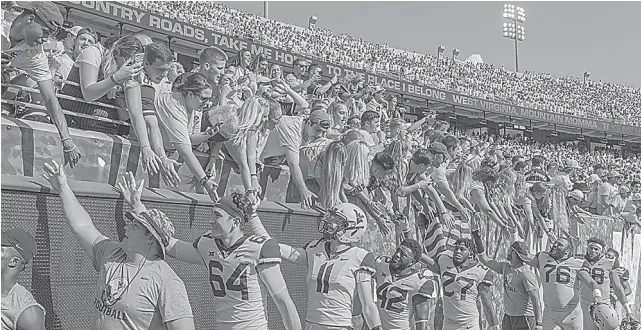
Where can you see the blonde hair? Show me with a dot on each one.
(332, 168)
(250, 117)
(507, 179)
(357, 163)
(462, 179)
(331, 110)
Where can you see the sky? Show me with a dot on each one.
(561, 38)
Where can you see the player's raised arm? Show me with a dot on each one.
(177, 249)
(272, 277)
(294, 255)
(620, 292)
(431, 264)
(77, 217)
(490, 263)
(364, 278)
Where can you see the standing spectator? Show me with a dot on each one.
(371, 124)
(212, 65)
(176, 114)
(22, 39)
(378, 103)
(76, 40)
(292, 134)
(100, 73)
(136, 288)
(19, 309)
(296, 78)
(607, 193)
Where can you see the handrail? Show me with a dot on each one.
(63, 96)
(67, 112)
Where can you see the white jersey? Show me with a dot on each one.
(331, 282)
(239, 294)
(395, 294)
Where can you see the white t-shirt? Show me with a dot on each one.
(31, 59)
(176, 123)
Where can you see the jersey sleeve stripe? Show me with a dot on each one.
(263, 261)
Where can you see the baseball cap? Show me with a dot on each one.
(521, 249)
(22, 241)
(46, 11)
(377, 89)
(438, 148)
(320, 117)
(157, 223)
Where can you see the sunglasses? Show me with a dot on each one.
(131, 217)
(324, 124)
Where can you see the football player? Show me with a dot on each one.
(399, 287)
(624, 274)
(562, 274)
(521, 297)
(240, 267)
(464, 281)
(337, 271)
(602, 271)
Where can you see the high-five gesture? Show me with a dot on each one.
(55, 175)
(131, 192)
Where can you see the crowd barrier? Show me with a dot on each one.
(27, 145)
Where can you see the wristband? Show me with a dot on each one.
(113, 80)
(596, 293)
(65, 139)
(421, 321)
(254, 175)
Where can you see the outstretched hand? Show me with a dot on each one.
(131, 192)
(55, 175)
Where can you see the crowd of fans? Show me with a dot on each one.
(570, 95)
(343, 141)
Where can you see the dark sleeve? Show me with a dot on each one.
(148, 96)
(368, 263)
(270, 252)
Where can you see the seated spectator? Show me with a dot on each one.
(300, 141)
(175, 111)
(21, 36)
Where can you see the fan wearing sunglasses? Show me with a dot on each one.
(23, 36)
(300, 141)
(136, 288)
(176, 111)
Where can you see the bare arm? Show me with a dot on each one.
(490, 263)
(239, 154)
(184, 251)
(185, 323)
(91, 88)
(431, 264)
(485, 207)
(294, 255)
(293, 162)
(585, 277)
(77, 217)
(421, 312)
(486, 300)
(537, 304)
(32, 318)
(366, 295)
(619, 292)
(190, 160)
(444, 188)
(272, 277)
(48, 94)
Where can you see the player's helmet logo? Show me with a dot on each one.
(604, 317)
(345, 223)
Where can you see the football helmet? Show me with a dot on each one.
(344, 222)
(604, 316)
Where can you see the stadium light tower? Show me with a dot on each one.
(514, 29)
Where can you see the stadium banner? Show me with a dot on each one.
(150, 21)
